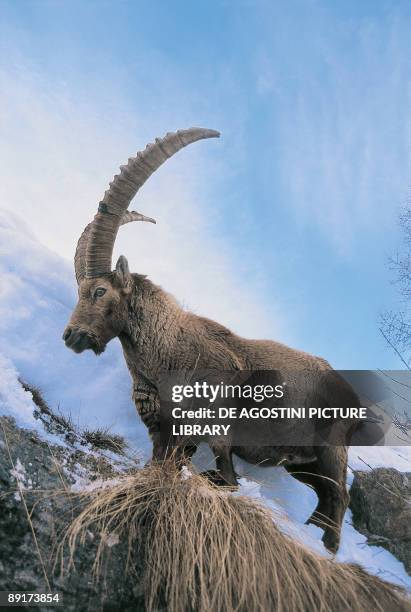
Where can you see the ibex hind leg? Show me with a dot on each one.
(327, 476)
(309, 474)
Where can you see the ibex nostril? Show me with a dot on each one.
(67, 333)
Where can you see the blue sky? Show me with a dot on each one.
(297, 203)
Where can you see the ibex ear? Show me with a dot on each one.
(122, 272)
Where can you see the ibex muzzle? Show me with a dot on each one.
(79, 340)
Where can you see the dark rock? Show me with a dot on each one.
(28, 544)
(381, 508)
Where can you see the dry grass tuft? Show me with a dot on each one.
(55, 421)
(106, 440)
(203, 549)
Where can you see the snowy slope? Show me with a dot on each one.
(37, 293)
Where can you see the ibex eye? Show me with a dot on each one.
(99, 292)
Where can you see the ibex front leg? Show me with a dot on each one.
(147, 402)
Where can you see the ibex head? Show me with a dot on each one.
(101, 312)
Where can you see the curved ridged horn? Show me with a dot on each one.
(122, 190)
(80, 256)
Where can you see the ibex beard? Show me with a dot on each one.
(157, 335)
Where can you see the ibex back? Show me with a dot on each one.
(157, 334)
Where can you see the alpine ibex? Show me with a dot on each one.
(157, 334)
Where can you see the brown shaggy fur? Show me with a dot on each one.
(202, 548)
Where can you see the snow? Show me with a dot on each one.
(19, 474)
(364, 458)
(84, 484)
(112, 539)
(293, 502)
(290, 517)
(37, 294)
(14, 400)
